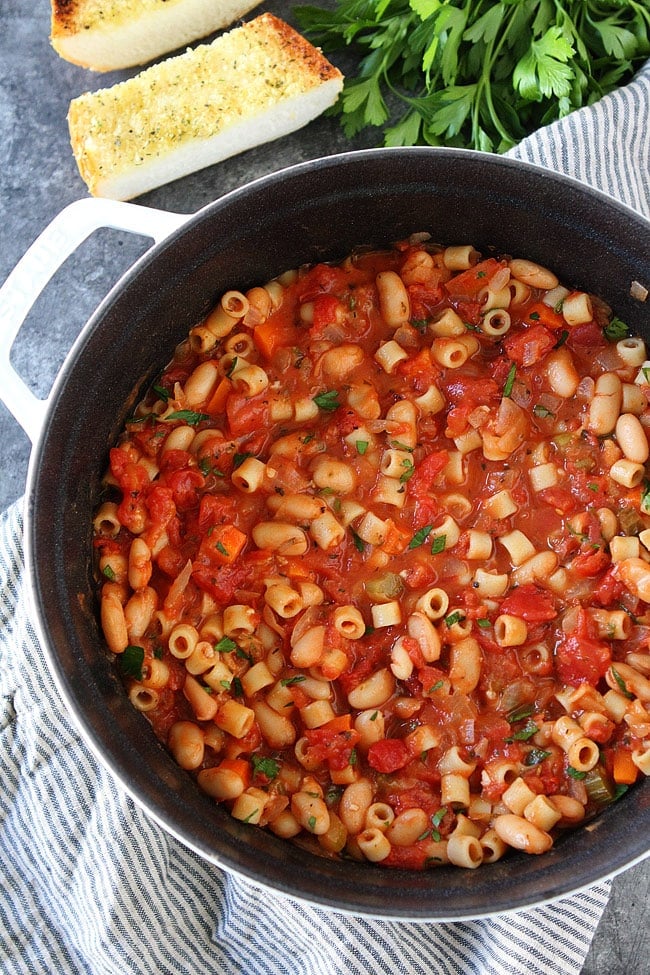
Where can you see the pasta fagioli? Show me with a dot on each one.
(374, 556)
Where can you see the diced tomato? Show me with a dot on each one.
(468, 284)
(471, 390)
(530, 603)
(590, 563)
(247, 414)
(539, 313)
(160, 504)
(185, 485)
(414, 857)
(331, 747)
(559, 498)
(586, 337)
(388, 755)
(424, 300)
(580, 657)
(426, 472)
(328, 310)
(609, 589)
(530, 346)
(322, 278)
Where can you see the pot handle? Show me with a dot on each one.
(46, 255)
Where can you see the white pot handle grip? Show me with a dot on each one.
(69, 229)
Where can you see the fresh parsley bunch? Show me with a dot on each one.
(477, 73)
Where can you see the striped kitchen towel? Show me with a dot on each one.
(88, 884)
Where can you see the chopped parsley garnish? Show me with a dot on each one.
(455, 617)
(362, 446)
(225, 645)
(436, 687)
(575, 774)
(510, 380)
(231, 367)
(312, 822)
(420, 536)
(562, 339)
(289, 681)
(188, 416)
(265, 766)
(529, 729)
(621, 683)
(439, 544)
(408, 472)
(131, 661)
(535, 756)
(359, 543)
(161, 392)
(645, 498)
(520, 713)
(484, 624)
(220, 547)
(239, 459)
(616, 330)
(328, 401)
(236, 687)
(541, 411)
(108, 572)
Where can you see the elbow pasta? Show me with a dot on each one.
(373, 556)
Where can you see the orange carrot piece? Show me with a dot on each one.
(624, 770)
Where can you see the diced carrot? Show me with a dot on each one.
(239, 766)
(225, 542)
(396, 539)
(624, 770)
(217, 402)
(341, 723)
(542, 314)
(272, 335)
(300, 699)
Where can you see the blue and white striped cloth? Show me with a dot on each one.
(89, 885)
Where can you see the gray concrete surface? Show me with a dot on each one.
(37, 179)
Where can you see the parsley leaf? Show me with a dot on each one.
(475, 74)
(328, 401)
(616, 330)
(131, 662)
(188, 416)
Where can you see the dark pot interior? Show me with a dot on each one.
(316, 211)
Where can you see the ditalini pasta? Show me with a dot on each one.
(374, 556)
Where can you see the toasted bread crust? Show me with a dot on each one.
(251, 85)
(106, 35)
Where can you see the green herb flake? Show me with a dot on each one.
(359, 543)
(453, 618)
(239, 459)
(616, 330)
(312, 822)
(535, 757)
(225, 645)
(484, 624)
(523, 734)
(290, 681)
(188, 416)
(436, 687)
(510, 380)
(220, 547)
(541, 411)
(231, 368)
(161, 392)
(575, 774)
(408, 472)
(248, 818)
(236, 687)
(108, 572)
(131, 661)
(420, 536)
(562, 339)
(519, 714)
(439, 544)
(373, 716)
(265, 766)
(327, 401)
(621, 683)
(362, 446)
